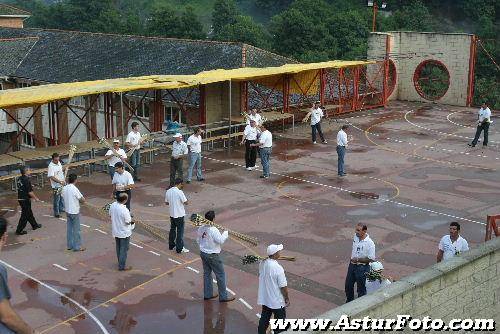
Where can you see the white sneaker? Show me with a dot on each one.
(325, 142)
(314, 142)
(184, 250)
(249, 168)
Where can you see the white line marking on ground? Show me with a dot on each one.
(213, 280)
(85, 225)
(3, 209)
(192, 269)
(245, 303)
(174, 261)
(85, 310)
(63, 219)
(100, 231)
(60, 267)
(230, 291)
(155, 253)
(136, 245)
(258, 315)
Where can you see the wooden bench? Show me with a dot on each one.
(149, 153)
(224, 138)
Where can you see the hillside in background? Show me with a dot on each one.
(307, 30)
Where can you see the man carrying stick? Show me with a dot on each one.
(133, 142)
(56, 177)
(122, 183)
(179, 150)
(113, 159)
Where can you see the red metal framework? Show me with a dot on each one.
(260, 96)
(418, 78)
(491, 227)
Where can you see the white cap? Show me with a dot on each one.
(376, 266)
(272, 249)
(177, 135)
(116, 140)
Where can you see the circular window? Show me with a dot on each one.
(431, 79)
(392, 77)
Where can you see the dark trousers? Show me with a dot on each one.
(129, 193)
(485, 126)
(314, 128)
(176, 234)
(265, 316)
(175, 168)
(250, 153)
(340, 163)
(122, 245)
(26, 216)
(356, 275)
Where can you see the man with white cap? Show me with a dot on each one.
(273, 292)
(375, 279)
(179, 150)
(113, 159)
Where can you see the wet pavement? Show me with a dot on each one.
(410, 172)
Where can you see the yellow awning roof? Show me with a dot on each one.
(52, 92)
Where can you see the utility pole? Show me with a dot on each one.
(374, 4)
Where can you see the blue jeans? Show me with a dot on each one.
(265, 155)
(111, 170)
(194, 158)
(176, 234)
(341, 155)
(135, 162)
(73, 239)
(57, 202)
(122, 245)
(356, 275)
(213, 262)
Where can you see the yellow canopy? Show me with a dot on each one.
(52, 92)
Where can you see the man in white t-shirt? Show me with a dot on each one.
(316, 116)
(375, 278)
(121, 228)
(483, 124)
(113, 159)
(250, 135)
(265, 144)
(56, 176)
(210, 240)
(179, 150)
(255, 117)
(194, 146)
(273, 291)
(175, 199)
(72, 198)
(122, 183)
(452, 244)
(133, 141)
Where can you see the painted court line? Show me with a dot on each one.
(59, 266)
(100, 231)
(192, 269)
(174, 261)
(136, 245)
(245, 303)
(155, 253)
(85, 225)
(230, 291)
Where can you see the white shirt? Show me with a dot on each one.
(316, 115)
(450, 249)
(71, 197)
(342, 138)
(134, 138)
(56, 171)
(271, 279)
(266, 138)
(179, 148)
(484, 114)
(251, 132)
(372, 286)
(257, 118)
(363, 248)
(210, 239)
(122, 180)
(176, 199)
(194, 142)
(113, 160)
(120, 220)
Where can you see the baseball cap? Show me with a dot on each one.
(376, 266)
(116, 140)
(177, 135)
(272, 249)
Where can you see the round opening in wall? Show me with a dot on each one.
(431, 79)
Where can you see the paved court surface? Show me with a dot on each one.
(410, 172)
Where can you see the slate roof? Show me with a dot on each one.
(11, 10)
(66, 56)
(12, 53)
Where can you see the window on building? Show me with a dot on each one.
(78, 101)
(100, 103)
(27, 139)
(22, 85)
(173, 114)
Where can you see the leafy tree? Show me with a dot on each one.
(225, 12)
(244, 30)
(166, 22)
(413, 16)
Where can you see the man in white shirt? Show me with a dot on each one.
(210, 240)
(265, 144)
(113, 159)
(175, 199)
(375, 278)
(250, 137)
(316, 116)
(121, 228)
(452, 244)
(363, 252)
(255, 117)
(179, 150)
(273, 291)
(123, 182)
(72, 198)
(134, 141)
(56, 177)
(194, 145)
(341, 147)
(483, 124)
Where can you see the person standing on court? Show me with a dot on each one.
(265, 144)
(254, 116)
(24, 195)
(72, 197)
(341, 147)
(133, 142)
(121, 228)
(122, 183)
(179, 150)
(112, 159)
(175, 199)
(452, 244)
(194, 145)
(56, 177)
(483, 124)
(273, 291)
(362, 254)
(316, 116)
(10, 321)
(249, 138)
(210, 240)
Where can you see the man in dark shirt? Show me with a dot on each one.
(24, 195)
(10, 321)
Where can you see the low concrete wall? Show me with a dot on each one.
(467, 286)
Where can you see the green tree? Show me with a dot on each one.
(244, 30)
(225, 12)
(167, 22)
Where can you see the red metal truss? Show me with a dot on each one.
(133, 111)
(264, 96)
(181, 104)
(80, 119)
(23, 126)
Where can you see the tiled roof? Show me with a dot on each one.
(11, 10)
(12, 53)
